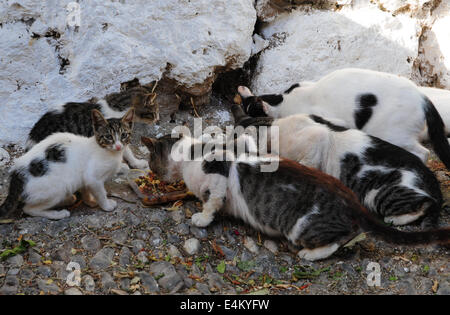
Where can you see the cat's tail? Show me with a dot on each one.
(16, 187)
(370, 224)
(436, 132)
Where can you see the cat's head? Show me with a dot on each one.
(253, 105)
(142, 98)
(160, 160)
(115, 133)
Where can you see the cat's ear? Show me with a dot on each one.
(128, 118)
(97, 119)
(244, 92)
(149, 142)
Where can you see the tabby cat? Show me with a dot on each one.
(388, 180)
(50, 173)
(311, 209)
(76, 117)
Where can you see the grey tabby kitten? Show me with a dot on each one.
(76, 117)
(389, 181)
(311, 209)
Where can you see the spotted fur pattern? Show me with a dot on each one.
(312, 210)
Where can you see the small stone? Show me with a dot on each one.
(107, 281)
(178, 216)
(15, 261)
(191, 246)
(444, 288)
(119, 237)
(271, 246)
(102, 259)
(203, 288)
(138, 245)
(26, 274)
(174, 252)
(215, 281)
(251, 245)
(182, 229)
(148, 282)
(72, 291)
(94, 222)
(44, 271)
(142, 257)
(155, 241)
(63, 252)
(125, 284)
(132, 220)
(89, 283)
(13, 271)
(124, 257)
(91, 243)
(34, 257)
(198, 232)
(142, 235)
(158, 216)
(229, 253)
(48, 286)
(167, 276)
(10, 286)
(173, 238)
(79, 260)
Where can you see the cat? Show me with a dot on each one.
(311, 209)
(441, 100)
(76, 117)
(50, 173)
(388, 180)
(383, 105)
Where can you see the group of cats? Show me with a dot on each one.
(332, 181)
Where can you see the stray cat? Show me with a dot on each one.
(311, 209)
(53, 170)
(76, 117)
(441, 100)
(388, 180)
(383, 105)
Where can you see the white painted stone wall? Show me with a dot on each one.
(383, 35)
(116, 41)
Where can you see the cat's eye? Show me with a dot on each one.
(124, 135)
(108, 137)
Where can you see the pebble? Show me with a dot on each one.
(142, 257)
(177, 216)
(107, 281)
(44, 271)
(203, 288)
(191, 246)
(72, 291)
(158, 216)
(173, 238)
(26, 274)
(15, 261)
(89, 283)
(91, 243)
(138, 245)
(102, 259)
(47, 286)
(182, 229)
(142, 235)
(124, 257)
(34, 257)
(271, 246)
(198, 232)
(229, 253)
(10, 286)
(251, 245)
(119, 236)
(94, 222)
(79, 260)
(167, 276)
(148, 282)
(174, 252)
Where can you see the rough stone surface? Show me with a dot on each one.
(74, 60)
(191, 246)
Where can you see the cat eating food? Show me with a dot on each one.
(388, 180)
(383, 105)
(50, 173)
(311, 209)
(76, 117)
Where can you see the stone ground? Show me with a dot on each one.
(139, 250)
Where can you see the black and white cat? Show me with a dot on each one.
(388, 180)
(76, 117)
(50, 173)
(441, 100)
(311, 209)
(383, 105)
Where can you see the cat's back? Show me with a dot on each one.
(71, 117)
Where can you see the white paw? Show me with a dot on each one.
(201, 220)
(110, 205)
(139, 164)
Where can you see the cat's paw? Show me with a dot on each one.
(201, 220)
(59, 215)
(110, 205)
(139, 164)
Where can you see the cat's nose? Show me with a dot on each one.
(118, 147)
